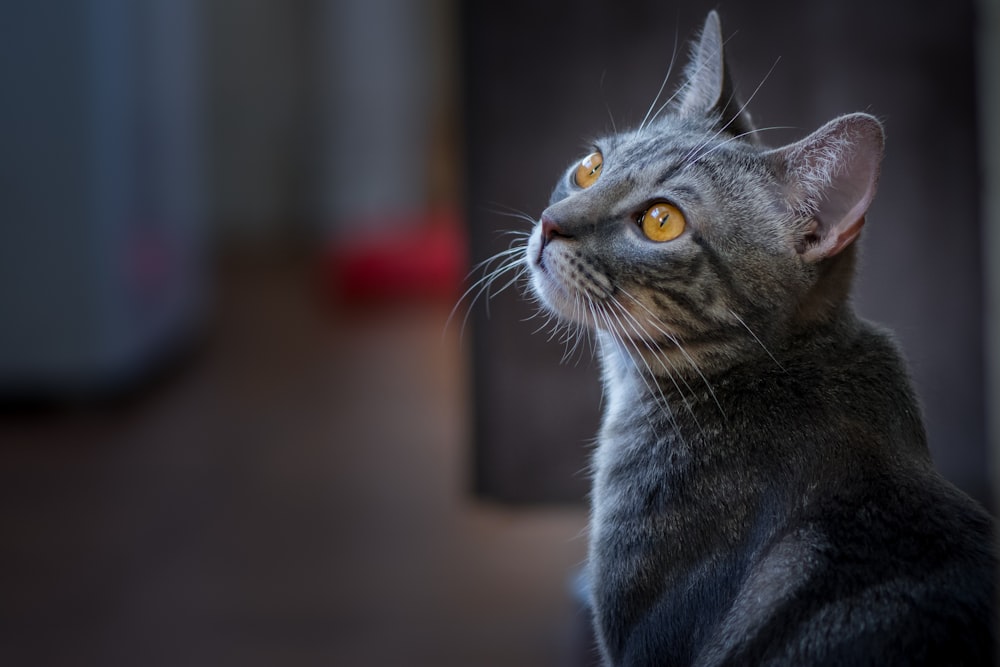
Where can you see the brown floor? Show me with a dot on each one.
(294, 494)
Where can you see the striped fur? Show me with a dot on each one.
(763, 492)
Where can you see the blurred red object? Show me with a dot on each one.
(421, 256)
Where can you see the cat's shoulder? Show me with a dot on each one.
(901, 564)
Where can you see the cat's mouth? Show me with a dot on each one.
(540, 258)
(582, 302)
(552, 281)
(536, 251)
(576, 291)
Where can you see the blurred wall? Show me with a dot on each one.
(259, 89)
(101, 214)
(325, 115)
(142, 138)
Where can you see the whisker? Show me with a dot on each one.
(691, 154)
(611, 117)
(670, 68)
(655, 390)
(659, 325)
(509, 252)
(684, 85)
(511, 259)
(511, 212)
(705, 153)
(759, 341)
(663, 361)
(663, 358)
(571, 338)
(490, 292)
(519, 233)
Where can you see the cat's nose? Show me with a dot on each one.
(550, 229)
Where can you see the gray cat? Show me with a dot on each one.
(763, 492)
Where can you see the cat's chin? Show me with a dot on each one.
(556, 299)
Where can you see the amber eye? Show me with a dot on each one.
(589, 170)
(662, 222)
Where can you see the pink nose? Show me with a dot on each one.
(550, 228)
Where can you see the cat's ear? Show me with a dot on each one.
(830, 180)
(708, 90)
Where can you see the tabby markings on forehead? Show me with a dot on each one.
(669, 173)
(643, 161)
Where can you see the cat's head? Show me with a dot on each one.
(688, 230)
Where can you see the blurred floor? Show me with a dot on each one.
(294, 494)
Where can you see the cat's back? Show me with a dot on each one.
(896, 569)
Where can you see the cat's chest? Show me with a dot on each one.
(674, 482)
(638, 454)
(672, 540)
(646, 482)
(651, 432)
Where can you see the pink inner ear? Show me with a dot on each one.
(847, 235)
(833, 244)
(835, 171)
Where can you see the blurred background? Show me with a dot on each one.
(236, 424)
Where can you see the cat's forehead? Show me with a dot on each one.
(668, 140)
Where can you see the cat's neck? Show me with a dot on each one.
(829, 297)
(665, 366)
(680, 373)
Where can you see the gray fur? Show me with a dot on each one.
(763, 492)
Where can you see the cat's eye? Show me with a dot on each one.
(662, 222)
(589, 170)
